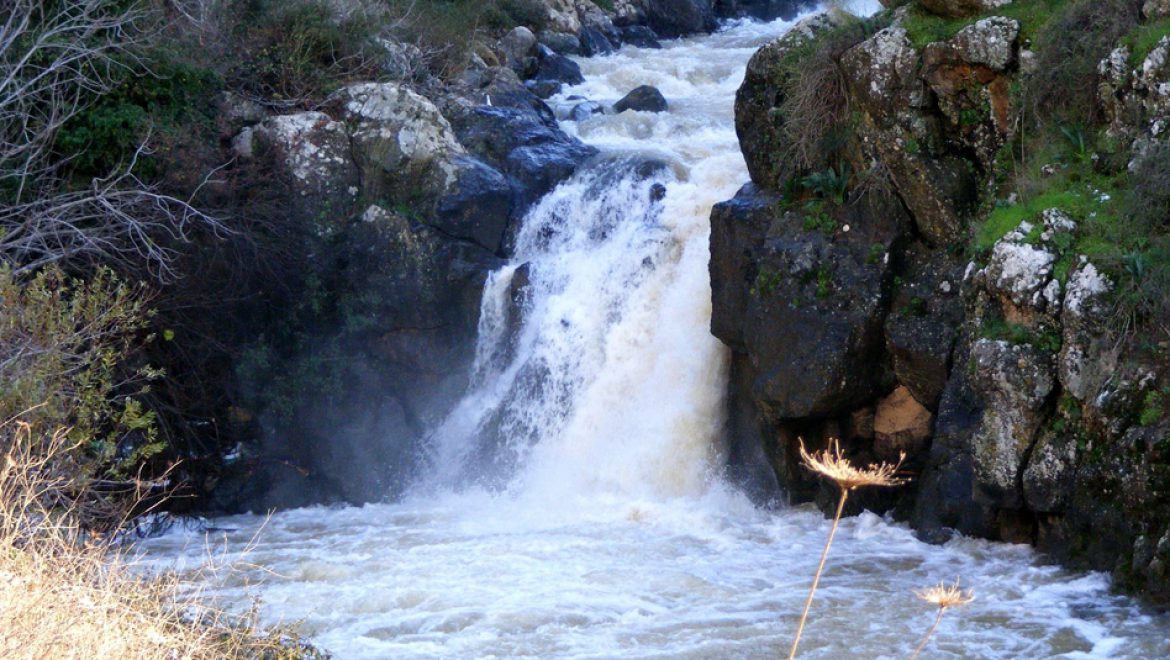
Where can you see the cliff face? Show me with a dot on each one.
(911, 270)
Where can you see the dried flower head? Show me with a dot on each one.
(945, 596)
(833, 465)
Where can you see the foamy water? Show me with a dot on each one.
(573, 506)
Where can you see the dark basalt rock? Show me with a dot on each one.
(532, 151)
(583, 111)
(594, 42)
(548, 65)
(640, 36)
(479, 208)
(676, 18)
(646, 98)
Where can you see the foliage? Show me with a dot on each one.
(169, 99)
(293, 53)
(66, 346)
(1145, 38)
(831, 184)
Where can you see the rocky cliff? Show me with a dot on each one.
(941, 256)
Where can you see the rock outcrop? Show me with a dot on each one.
(856, 307)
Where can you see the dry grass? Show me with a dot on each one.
(832, 464)
(941, 596)
(69, 593)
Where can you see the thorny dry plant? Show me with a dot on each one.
(942, 596)
(833, 465)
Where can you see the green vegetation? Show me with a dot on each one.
(1145, 38)
(1155, 407)
(1000, 330)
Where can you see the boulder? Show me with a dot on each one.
(1155, 9)
(677, 18)
(758, 120)
(312, 155)
(549, 66)
(562, 43)
(645, 98)
(594, 42)
(1019, 273)
(529, 148)
(516, 47)
(640, 36)
(585, 110)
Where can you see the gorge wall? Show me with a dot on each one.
(912, 269)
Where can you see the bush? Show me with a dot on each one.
(66, 346)
(1068, 50)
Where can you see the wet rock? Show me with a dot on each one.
(645, 98)
(640, 36)
(549, 66)
(676, 18)
(923, 324)
(583, 111)
(594, 42)
(530, 149)
(477, 207)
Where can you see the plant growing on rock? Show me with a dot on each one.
(943, 597)
(833, 465)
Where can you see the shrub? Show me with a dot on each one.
(1069, 48)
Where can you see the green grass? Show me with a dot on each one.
(1144, 39)
(923, 28)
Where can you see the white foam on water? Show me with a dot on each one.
(574, 506)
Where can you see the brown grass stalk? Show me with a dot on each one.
(832, 465)
(943, 597)
(66, 592)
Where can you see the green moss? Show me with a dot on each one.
(1000, 330)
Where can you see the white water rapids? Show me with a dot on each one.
(576, 507)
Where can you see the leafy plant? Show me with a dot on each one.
(831, 183)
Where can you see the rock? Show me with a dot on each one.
(645, 98)
(958, 8)
(738, 227)
(969, 76)
(552, 67)
(1014, 382)
(516, 47)
(583, 111)
(758, 120)
(312, 154)
(640, 36)
(677, 18)
(1154, 9)
(811, 319)
(1087, 358)
(1020, 271)
(1049, 478)
(477, 207)
(543, 88)
(923, 324)
(901, 425)
(593, 42)
(401, 144)
(530, 149)
(562, 43)
(939, 188)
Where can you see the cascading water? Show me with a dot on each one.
(574, 505)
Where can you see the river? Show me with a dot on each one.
(575, 504)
